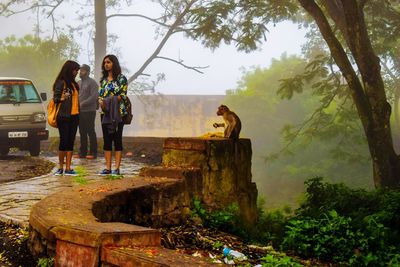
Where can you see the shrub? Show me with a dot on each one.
(329, 238)
(345, 225)
(226, 219)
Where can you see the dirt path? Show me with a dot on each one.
(16, 167)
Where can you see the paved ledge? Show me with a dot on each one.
(150, 256)
(66, 218)
(76, 224)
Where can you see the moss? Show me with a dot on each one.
(183, 158)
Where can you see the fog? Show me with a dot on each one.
(263, 115)
(136, 40)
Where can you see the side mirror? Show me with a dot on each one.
(43, 96)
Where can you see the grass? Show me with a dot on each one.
(81, 177)
(114, 177)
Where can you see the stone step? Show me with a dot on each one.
(80, 247)
(150, 257)
(104, 234)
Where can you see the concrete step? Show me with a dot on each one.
(150, 257)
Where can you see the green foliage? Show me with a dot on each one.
(269, 229)
(343, 225)
(222, 21)
(80, 178)
(334, 224)
(226, 219)
(271, 260)
(218, 245)
(45, 262)
(329, 238)
(114, 177)
(322, 197)
(36, 59)
(330, 146)
(271, 225)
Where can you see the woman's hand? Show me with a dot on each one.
(65, 95)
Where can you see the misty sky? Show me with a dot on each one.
(136, 42)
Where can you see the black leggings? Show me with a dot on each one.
(67, 130)
(109, 138)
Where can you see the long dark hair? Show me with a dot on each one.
(116, 69)
(66, 73)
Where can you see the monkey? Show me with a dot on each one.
(232, 124)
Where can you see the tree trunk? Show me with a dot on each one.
(100, 39)
(369, 94)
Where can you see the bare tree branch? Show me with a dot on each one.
(12, 12)
(5, 7)
(51, 12)
(186, 66)
(170, 32)
(157, 21)
(300, 127)
(8, 11)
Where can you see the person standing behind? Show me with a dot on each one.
(66, 93)
(88, 97)
(113, 87)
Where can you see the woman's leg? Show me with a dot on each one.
(118, 156)
(118, 145)
(61, 155)
(108, 156)
(62, 131)
(68, 160)
(107, 146)
(73, 127)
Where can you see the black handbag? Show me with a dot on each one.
(127, 118)
(64, 112)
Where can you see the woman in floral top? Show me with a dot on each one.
(113, 86)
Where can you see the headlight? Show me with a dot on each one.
(39, 117)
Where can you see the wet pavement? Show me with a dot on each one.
(16, 198)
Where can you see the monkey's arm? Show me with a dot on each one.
(216, 125)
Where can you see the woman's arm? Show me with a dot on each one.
(123, 87)
(58, 91)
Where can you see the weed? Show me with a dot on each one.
(81, 175)
(114, 177)
(45, 262)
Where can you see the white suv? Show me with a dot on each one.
(22, 116)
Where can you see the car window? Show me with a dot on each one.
(18, 91)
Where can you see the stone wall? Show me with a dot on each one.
(226, 170)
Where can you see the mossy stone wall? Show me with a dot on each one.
(226, 169)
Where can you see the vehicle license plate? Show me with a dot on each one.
(17, 134)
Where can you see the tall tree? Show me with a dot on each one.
(100, 39)
(343, 26)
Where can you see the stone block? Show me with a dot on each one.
(150, 257)
(72, 255)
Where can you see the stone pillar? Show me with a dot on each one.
(226, 170)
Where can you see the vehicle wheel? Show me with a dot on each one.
(34, 150)
(4, 151)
